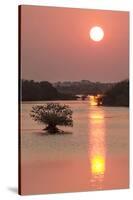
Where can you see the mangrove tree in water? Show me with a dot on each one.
(52, 114)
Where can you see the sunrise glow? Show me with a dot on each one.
(96, 33)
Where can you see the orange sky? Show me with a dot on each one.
(55, 44)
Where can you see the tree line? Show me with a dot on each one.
(118, 95)
(40, 91)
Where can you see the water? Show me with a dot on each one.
(92, 156)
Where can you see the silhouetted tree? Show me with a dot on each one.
(117, 95)
(52, 114)
(38, 91)
(41, 91)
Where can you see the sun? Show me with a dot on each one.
(96, 33)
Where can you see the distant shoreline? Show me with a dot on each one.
(82, 101)
(116, 95)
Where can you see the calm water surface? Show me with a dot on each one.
(93, 157)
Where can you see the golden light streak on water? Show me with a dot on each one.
(97, 148)
(92, 100)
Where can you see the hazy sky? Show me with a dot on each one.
(55, 44)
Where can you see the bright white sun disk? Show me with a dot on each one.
(96, 33)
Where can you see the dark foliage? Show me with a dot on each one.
(83, 87)
(52, 114)
(39, 91)
(117, 95)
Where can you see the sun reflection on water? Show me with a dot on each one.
(92, 100)
(97, 147)
(97, 165)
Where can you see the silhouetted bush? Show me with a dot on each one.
(117, 95)
(52, 114)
